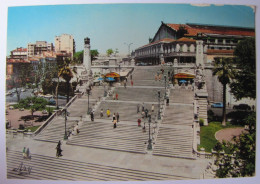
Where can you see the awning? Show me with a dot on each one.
(184, 76)
(112, 74)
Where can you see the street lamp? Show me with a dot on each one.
(128, 44)
(88, 93)
(149, 147)
(159, 96)
(65, 115)
(165, 86)
(119, 73)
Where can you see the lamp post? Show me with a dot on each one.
(128, 44)
(159, 96)
(65, 115)
(165, 86)
(119, 73)
(149, 147)
(88, 93)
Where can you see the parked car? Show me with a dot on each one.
(169, 64)
(242, 107)
(217, 105)
(52, 102)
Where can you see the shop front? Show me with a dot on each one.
(184, 78)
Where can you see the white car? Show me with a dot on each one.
(169, 63)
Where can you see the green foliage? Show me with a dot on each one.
(245, 75)
(32, 129)
(94, 54)
(109, 52)
(78, 57)
(240, 161)
(201, 122)
(33, 103)
(223, 69)
(207, 134)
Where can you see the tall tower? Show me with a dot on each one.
(87, 56)
(199, 53)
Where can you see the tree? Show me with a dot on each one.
(240, 157)
(245, 83)
(109, 52)
(66, 73)
(94, 54)
(78, 57)
(223, 69)
(21, 77)
(33, 103)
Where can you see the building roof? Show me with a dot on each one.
(194, 29)
(165, 40)
(183, 39)
(20, 50)
(10, 61)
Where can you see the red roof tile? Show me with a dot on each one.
(183, 39)
(20, 50)
(9, 61)
(193, 31)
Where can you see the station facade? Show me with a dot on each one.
(191, 43)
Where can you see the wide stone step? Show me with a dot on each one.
(51, 168)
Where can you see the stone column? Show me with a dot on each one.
(87, 55)
(199, 53)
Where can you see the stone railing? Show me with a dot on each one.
(57, 113)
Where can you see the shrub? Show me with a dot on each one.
(21, 126)
(201, 121)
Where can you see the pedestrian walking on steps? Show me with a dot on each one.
(24, 152)
(138, 108)
(132, 83)
(114, 116)
(139, 122)
(108, 113)
(144, 130)
(116, 96)
(143, 114)
(117, 117)
(125, 83)
(114, 123)
(101, 113)
(152, 108)
(92, 116)
(59, 150)
(27, 154)
(143, 106)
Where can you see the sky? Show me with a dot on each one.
(113, 25)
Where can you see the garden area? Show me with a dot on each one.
(28, 114)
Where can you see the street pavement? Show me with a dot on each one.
(124, 147)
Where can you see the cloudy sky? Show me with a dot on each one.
(112, 25)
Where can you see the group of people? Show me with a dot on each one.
(26, 153)
(74, 130)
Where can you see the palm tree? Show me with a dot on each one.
(223, 69)
(66, 73)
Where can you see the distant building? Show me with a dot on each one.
(65, 43)
(19, 53)
(191, 43)
(37, 49)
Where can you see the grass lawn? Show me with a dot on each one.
(33, 129)
(207, 134)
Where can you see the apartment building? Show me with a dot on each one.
(65, 43)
